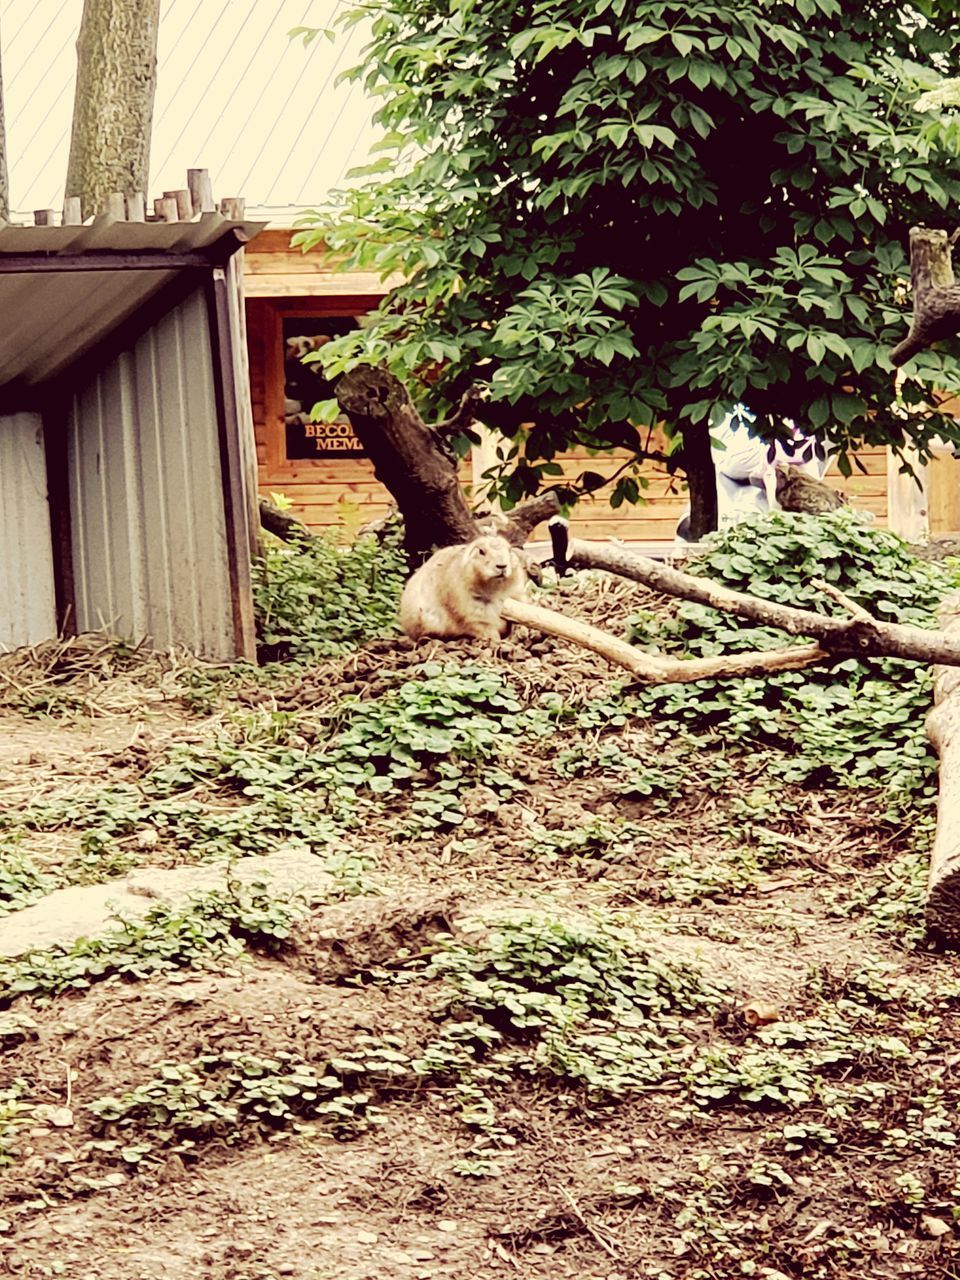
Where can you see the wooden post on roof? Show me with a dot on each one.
(71, 212)
(44, 217)
(136, 207)
(233, 207)
(201, 191)
(116, 206)
(166, 209)
(184, 203)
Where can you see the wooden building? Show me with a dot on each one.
(294, 301)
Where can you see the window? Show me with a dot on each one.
(304, 385)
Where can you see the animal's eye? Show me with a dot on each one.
(482, 551)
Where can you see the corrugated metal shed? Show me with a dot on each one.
(145, 492)
(127, 462)
(27, 605)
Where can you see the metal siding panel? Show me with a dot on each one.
(150, 549)
(27, 602)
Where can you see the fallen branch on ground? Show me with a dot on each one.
(943, 730)
(858, 636)
(654, 668)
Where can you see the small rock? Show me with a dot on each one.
(59, 1117)
(934, 1226)
(5, 1224)
(759, 1013)
(367, 1237)
(446, 1224)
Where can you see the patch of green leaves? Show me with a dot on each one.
(858, 723)
(210, 929)
(21, 883)
(228, 1095)
(318, 598)
(545, 286)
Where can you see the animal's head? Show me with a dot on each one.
(304, 345)
(490, 557)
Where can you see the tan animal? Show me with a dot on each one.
(796, 491)
(459, 591)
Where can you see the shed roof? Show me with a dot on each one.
(64, 290)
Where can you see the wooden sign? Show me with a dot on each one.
(321, 439)
(305, 385)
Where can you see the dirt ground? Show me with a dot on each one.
(645, 1184)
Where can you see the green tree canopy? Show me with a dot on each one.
(620, 212)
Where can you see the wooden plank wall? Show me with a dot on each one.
(320, 489)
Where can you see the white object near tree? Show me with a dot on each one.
(746, 467)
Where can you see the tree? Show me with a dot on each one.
(113, 105)
(4, 180)
(619, 215)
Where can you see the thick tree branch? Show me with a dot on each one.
(522, 520)
(407, 459)
(936, 296)
(857, 637)
(654, 668)
(282, 523)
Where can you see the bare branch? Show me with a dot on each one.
(282, 524)
(855, 610)
(465, 414)
(522, 520)
(838, 636)
(651, 668)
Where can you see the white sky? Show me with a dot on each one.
(234, 95)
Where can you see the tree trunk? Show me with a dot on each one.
(4, 181)
(409, 458)
(701, 480)
(936, 297)
(113, 106)
(943, 730)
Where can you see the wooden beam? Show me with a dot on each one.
(116, 206)
(56, 448)
(136, 207)
(165, 209)
(184, 203)
(235, 504)
(124, 260)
